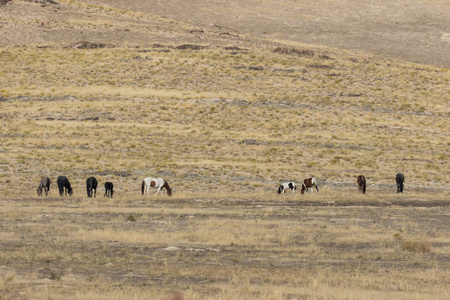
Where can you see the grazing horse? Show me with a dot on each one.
(157, 183)
(109, 189)
(400, 178)
(361, 184)
(287, 186)
(64, 186)
(91, 186)
(44, 184)
(309, 183)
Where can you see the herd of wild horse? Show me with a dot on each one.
(159, 184)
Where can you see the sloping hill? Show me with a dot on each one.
(412, 30)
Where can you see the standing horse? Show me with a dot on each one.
(157, 183)
(91, 186)
(287, 186)
(309, 183)
(64, 186)
(361, 180)
(44, 184)
(109, 189)
(400, 178)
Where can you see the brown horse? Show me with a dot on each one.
(361, 184)
(309, 183)
(400, 178)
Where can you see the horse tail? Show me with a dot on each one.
(364, 186)
(143, 187)
(169, 190)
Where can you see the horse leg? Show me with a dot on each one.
(158, 190)
(95, 192)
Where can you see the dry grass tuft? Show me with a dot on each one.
(416, 246)
(176, 296)
(295, 51)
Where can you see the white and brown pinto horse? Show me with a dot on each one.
(287, 186)
(156, 183)
(309, 183)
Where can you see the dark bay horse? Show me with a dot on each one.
(361, 180)
(64, 186)
(309, 183)
(44, 184)
(400, 178)
(91, 186)
(109, 189)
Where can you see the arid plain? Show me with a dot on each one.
(225, 109)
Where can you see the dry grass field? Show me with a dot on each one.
(88, 89)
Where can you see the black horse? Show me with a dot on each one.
(44, 184)
(361, 184)
(64, 186)
(91, 186)
(400, 178)
(109, 189)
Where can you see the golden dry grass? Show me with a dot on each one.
(209, 117)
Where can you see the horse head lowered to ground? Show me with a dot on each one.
(400, 178)
(309, 183)
(361, 180)
(91, 186)
(287, 186)
(64, 186)
(44, 185)
(156, 183)
(109, 189)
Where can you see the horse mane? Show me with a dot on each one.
(169, 190)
